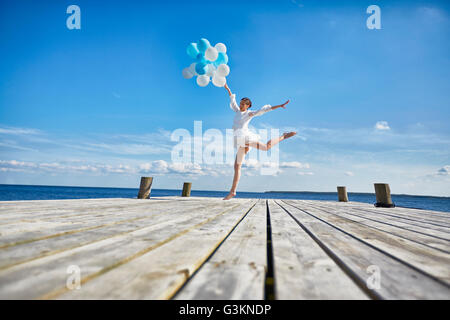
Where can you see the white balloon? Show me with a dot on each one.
(223, 70)
(219, 81)
(211, 70)
(211, 54)
(221, 48)
(187, 74)
(192, 69)
(202, 80)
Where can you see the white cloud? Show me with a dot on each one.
(59, 167)
(349, 173)
(12, 170)
(382, 125)
(187, 168)
(17, 164)
(19, 131)
(251, 163)
(294, 164)
(121, 168)
(271, 168)
(163, 167)
(305, 173)
(157, 167)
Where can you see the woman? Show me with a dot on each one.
(244, 139)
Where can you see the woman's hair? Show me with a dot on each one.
(247, 101)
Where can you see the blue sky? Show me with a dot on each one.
(97, 106)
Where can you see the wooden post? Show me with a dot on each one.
(383, 195)
(342, 194)
(145, 188)
(186, 189)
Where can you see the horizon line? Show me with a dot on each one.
(271, 191)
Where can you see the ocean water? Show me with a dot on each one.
(34, 192)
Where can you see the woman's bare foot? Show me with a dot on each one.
(289, 134)
(229, 196)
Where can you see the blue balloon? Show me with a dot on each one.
(192, 50)
(202, 45)
(222, 58)
(201, 68)
(200, 58)
(225, 57)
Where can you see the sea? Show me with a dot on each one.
(10, 192)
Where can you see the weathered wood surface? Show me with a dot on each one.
(237, 269)
(207, 248)
(398, 278)
(302, 269)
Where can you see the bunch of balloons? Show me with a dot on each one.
(210, 63)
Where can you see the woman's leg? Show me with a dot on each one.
(273, 142)
(242, 151)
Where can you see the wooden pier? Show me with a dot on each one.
(207, 248)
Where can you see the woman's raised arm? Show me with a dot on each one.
(228, 89)
(233, 105)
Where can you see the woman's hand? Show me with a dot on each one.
(283, 105)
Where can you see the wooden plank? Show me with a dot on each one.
(237, 269)
(398, 281)
(58, 205)
(36, 229)
(429, 231)
(302, 269)
(394, 214)
(423, 239)
(159, 273)
(39, 209)
(72, 221)
(29, 250)
(430, 261)
(29, 206)
(412, 212)
(39, 277)
(65, 211)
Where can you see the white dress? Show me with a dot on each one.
(242, 134)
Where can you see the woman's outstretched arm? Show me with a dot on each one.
(281, 105)
(267, 108)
